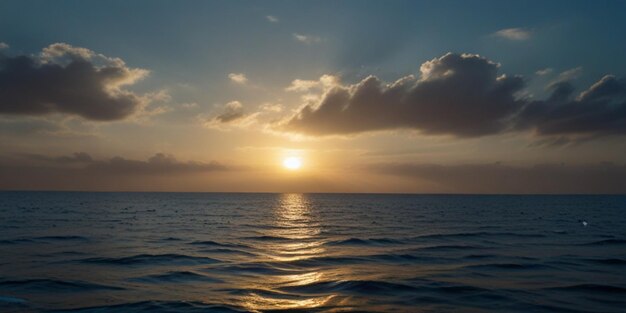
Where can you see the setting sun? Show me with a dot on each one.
(292, 163)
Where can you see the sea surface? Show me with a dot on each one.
(230, 252)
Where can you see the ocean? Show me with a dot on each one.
(240, 252)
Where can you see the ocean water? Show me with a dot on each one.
(212, 252)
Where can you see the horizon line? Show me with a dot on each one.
(338, 192)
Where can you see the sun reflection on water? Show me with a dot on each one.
(299, 231)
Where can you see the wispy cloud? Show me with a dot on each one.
(238, 78)
(570, 74)
(543, 72)
(232, 115)
(518, 34)
(272, 19)
(301, 85)
(3, 45)
(306, 39)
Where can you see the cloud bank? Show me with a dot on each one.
(602, 178)
(68, 80)
(80, 171)
(158, 164)
(462, 95)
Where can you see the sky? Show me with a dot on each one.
(370, 96)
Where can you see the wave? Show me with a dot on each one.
(607, 261)
(256, 268)
(353, 286)
(262, 292)
(401, 258)
(362, 259)
(595, 288)
(365, 242)
(217, 244)
(156, 306)
(327, 260)
(508, 266)
(6, 300)
(227, 251)
(374, 287)
(268, 238)
(479, 256)
(53, 285)
(175, 277)
(450, 247)
(16, 241)
(606, 242)
(43, 239)
(479, 234)
(62, 238)
(152, 259)
(171, 239)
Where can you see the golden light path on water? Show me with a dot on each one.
(294, 221)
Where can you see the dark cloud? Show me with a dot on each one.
(597, 111)
(604, 178)
(460, 95)
(80, 171)
(157, 164)
(232, 112)
(69, 80)
(463, 95)
(77, 157)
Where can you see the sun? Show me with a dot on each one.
(292, 163)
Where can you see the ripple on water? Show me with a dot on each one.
(151, 259)
(52, 285)
(157, 306)
(175, 277)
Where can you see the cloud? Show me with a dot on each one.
(159, 163)
(543, 72)
(271, 107)
(272, 19)
(81, 171)
(3, 45)
(232, 111)
(517, 34)
(598, 111)
(77, 157)
(238, 78)
(232, 115)
(600, 178)
(457, 94)
(324, 82)
(306, 39)
(464, 96)
(567, 75)
(69, 80)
